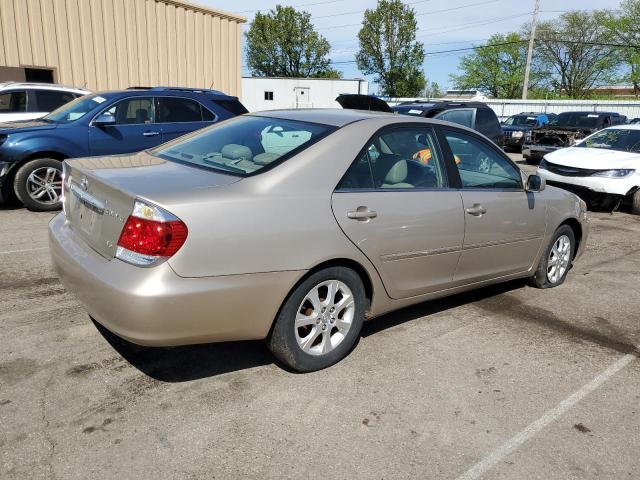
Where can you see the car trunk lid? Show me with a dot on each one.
(100, 192)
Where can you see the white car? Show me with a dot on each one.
(604, 168)
(28, 101)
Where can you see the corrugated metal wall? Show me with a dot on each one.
(112, 44)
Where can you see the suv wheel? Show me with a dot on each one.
(320, 321)
(38, 184)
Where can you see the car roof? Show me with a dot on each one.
(165, 91)
(440, 104)
(328, 116)
(587, 112)
(41, 86)
(627, 126)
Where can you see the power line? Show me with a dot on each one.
(294, 6)
(422, 13)
(362, 11)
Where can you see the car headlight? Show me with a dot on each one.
(619, 173)
(517, 134)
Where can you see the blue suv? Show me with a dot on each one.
(516, 127)
(124, 121)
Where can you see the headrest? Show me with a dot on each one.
(265, 158)
(237, 152)
(398, 172)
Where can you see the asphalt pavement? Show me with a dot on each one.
(507, 382)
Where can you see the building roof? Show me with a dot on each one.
(206, 10)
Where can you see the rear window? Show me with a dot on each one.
(49, 100)
(233, 106)
(244, 145)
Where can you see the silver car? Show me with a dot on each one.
(294, 226)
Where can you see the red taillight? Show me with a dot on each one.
(151, 237)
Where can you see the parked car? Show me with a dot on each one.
(26, 101)
(226, 234)
(564, 131)
(516, 126)
(107, 123)
(475, 115)
(604, 168)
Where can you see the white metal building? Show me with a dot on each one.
(269, 93)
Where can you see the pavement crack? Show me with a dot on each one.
(45, 425)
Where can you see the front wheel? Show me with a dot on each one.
(635, 203)
(556, 261)
(38, 184)
(320, 321)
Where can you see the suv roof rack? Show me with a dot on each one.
(178, 89)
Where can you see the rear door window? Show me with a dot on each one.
(487, 122)
(13, 102)
(181, 110)
(49, 100)
(233, 106)
(461, 116)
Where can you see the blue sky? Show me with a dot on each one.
(442, 24)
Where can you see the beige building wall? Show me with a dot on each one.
(114, 44)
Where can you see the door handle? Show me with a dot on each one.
(151, 134)
(362, 214)
(477, 210)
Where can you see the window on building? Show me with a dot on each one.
(268, 95)
(41, 75)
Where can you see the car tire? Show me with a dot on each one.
(312, 331)
(557, 254)
(635, 203)
(38, 184)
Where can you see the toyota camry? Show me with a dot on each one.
(296, 226)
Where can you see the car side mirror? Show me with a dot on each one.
(535, 183)
(104, 120)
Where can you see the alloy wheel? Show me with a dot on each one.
(44, 185)
(324, 317)
(559, 259)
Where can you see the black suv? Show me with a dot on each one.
(475, 115)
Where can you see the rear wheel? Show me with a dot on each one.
(556, 261)
(320, 321)
(38, 184)
(635, 203)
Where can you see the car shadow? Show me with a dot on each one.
(433, 307)
(193, 362)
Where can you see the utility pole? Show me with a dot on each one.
(532, 38)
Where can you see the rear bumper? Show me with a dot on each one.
(156, 307)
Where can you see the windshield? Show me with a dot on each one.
(245, 144)
(575, 120)
(622, 140)
(74, 110)
(521, 120)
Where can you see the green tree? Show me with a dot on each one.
(389, 50)
(496, 67)
(570, 50)
(625, 30)
(433, 90)
(283, 43)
